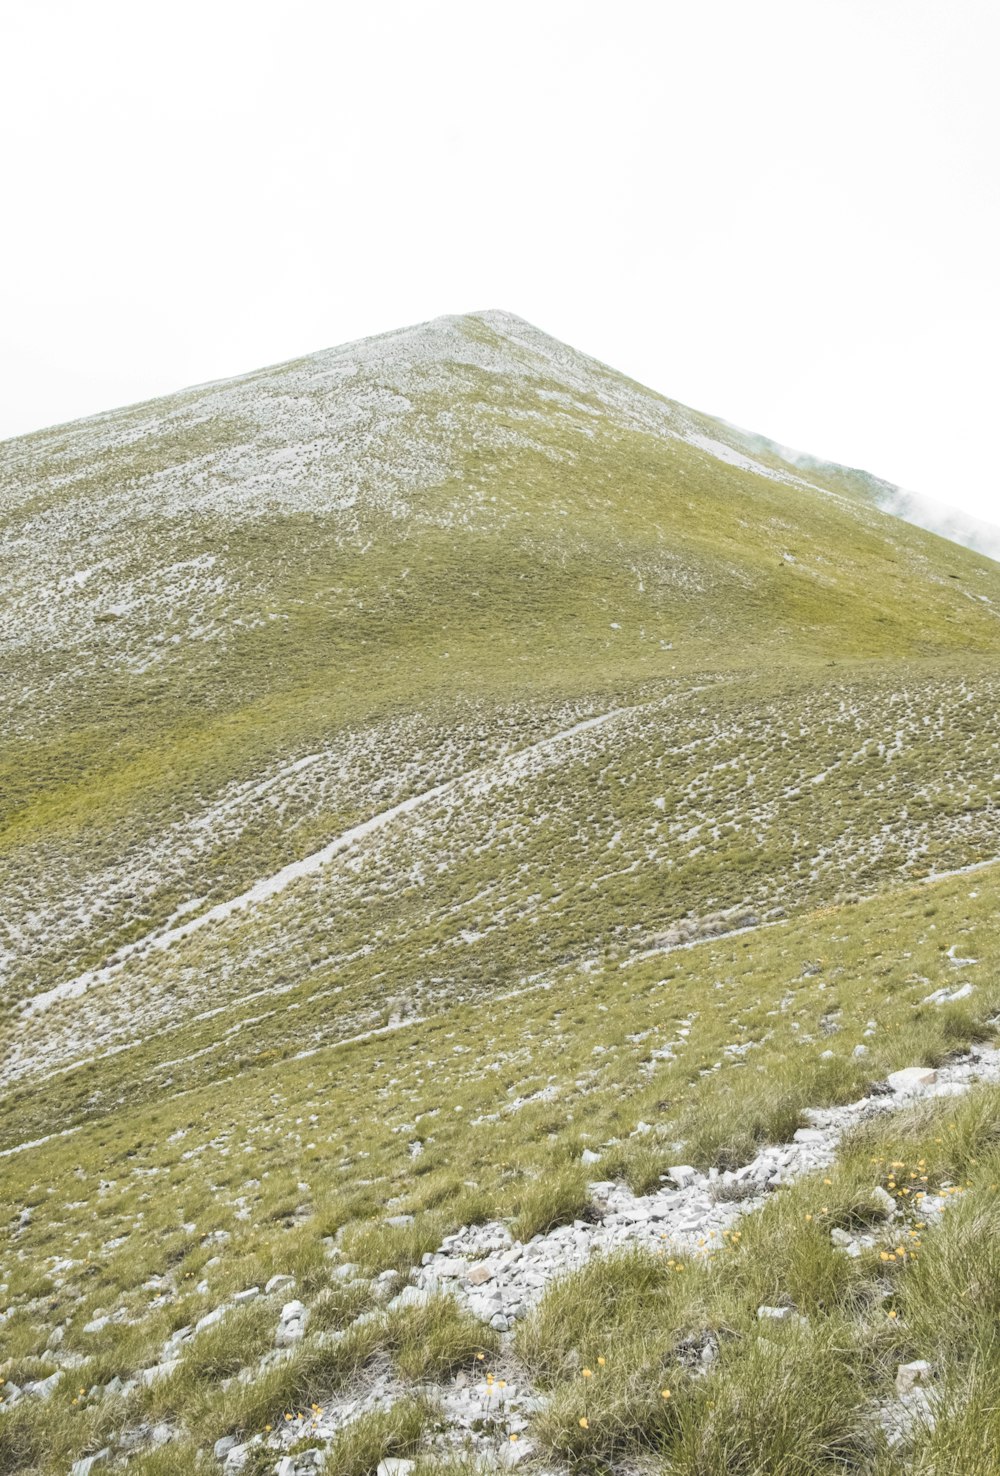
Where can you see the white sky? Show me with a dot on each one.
(785, 212)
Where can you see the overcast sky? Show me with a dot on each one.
(784, 212)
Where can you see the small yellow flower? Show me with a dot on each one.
(514, 1437)
(588, 1373)
(892, 1315)
(584, 1423)
(268, 1428)
(664, 1393)
(601, 1362)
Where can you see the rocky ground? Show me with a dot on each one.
(498, 1280)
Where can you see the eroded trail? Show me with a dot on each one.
(267, 887)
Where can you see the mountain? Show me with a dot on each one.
(422, 763)
(926, 512)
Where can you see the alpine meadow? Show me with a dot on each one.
(498, 948)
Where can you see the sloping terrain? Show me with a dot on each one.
(424, 764)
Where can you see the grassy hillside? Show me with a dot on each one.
(388, 736)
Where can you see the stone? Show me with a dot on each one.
(841, 1237)
(246, 1296)
(682, 1174)
(860, 1050)
(161, 1434)
(159, 1371)
(222, 1447)
(279, 1283)
(884, 1199)
(96, 1324)
(588, 1156)
(480, 1274)
(499, 1322)
(45, 1388)
(449, 1269)
(774, 1314)
(86, 1465)
(410, 1296)
(949, 996)
(513, 1453)
(396, 1222)
(908, 1375)
(395, 1466)
(210, 1319)
(912, 1079)
(237, 1458)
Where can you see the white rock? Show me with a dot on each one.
(87, 1464)
(279, 1283)
(159, 1371)
(949, 996)
(912, 1079)
(45, 1388)
(222, 1447)
(682, 1175)
(908, 1375)
(395, 1466)
(246, 1296)
(410, 1296)
(774, 1314)
(884, 1199)
(513, 1453)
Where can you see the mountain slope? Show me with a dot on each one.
(424, 700)
(244, 619)
(925, 512)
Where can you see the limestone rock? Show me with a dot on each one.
(912, 1079)
(908, 1375)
